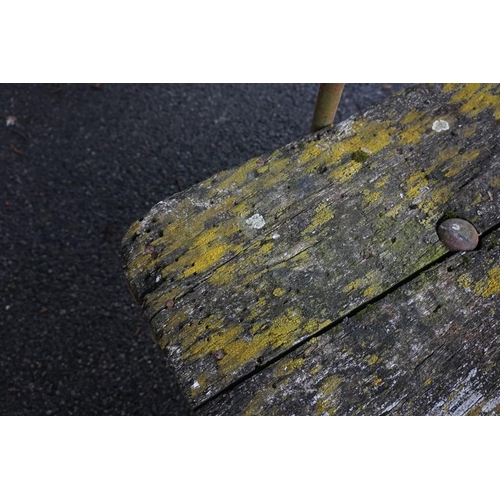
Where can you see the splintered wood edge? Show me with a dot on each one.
(234, 272)
(432, 347)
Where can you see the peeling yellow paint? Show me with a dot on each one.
(278, 292)
(372, 359)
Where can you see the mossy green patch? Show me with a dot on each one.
(360, 156)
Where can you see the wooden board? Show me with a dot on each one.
(239, 270)
(431, 347)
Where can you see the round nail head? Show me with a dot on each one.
(458, 235)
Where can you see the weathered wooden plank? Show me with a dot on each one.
(432, 347)
(244, 266)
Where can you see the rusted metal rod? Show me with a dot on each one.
(326, 105)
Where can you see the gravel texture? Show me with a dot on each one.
(79, 164)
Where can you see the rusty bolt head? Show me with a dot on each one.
(458, 235)
(219, 354)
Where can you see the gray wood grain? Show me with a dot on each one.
(432, 347)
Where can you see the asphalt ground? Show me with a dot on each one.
(78, 166)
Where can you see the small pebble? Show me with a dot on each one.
(458, 235)
(11, 120)
(170, 304)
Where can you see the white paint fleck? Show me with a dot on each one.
(158, 278)
(11, 120)
(440, 125)
(7, 308)
(256, 221)
(345, 127)
(401, 195)
(276, 236)
(455, 227)
(195, 385)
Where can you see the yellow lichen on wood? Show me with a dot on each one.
(489, 285)
(353, 285)
(206, 258)
(288, 367)
(412, 116)
(450, 87)
(192, 345)
(464, 92)
(416, 182)
(372, 291)
(432, 206)
(468, 130)
(327, 395)
(239, 350)
(414, 125)
(495, 182)
(199, 385)
(283, 325)
(382, 181)
(314, 324)
(476, 98)
(323, 214)
(460, 162)
(464, 280)
(394, 211)
(370, 196)
(372, 136)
